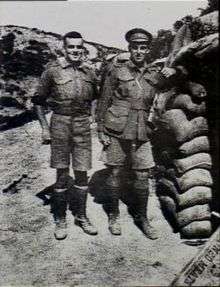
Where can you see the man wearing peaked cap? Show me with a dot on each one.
(124, 130)
(138, 35)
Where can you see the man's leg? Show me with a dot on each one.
(81, 189)
(142, 162)
(114, 156)
(141, 189)
(113, 195)
(59, 203)
(82, 162)
(60, 160)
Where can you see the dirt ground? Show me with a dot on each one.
(30, 255)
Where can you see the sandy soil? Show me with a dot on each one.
(30, 256)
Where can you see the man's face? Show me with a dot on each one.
(138, 52)
(74, 49)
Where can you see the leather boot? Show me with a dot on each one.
(58, 208)
(81, 219)
(113, 210)
(141, 219)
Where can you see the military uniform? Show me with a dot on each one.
(69, 93)
(125, 129)
(123, 110)
(123, 114)
(68, 90)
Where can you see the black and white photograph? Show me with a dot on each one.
(109, 143)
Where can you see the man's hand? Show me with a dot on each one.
(104, 139)
(45, 136)
(168, 72)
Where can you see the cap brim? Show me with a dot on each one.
(139, 40)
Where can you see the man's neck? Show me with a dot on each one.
(76, 65)
(140, 66)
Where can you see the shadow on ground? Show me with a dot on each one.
(127, 196)
(97, 190)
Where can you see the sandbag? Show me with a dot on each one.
(197, 229)
(185, 103)
(194, 196)
(194, 213)
(182, 129)
(201, 48)
(196, 145)
(160, 102)
(194, 177)
(199, 160)
(196, 127)
(195, 89)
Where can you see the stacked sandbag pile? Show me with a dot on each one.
(186, 186)
(183, 144)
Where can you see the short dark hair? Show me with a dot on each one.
(72, 34)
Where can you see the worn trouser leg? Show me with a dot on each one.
(141, 203)
(59, 203)
(81, 190)
(113, 194)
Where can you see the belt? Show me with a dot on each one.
(69, 111)
(130, 105)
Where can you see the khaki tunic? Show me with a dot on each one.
(66, 90)
(125, 102)
(69, 92)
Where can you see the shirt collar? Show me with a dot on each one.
(146, 67)
(133, 66)
(65, 64)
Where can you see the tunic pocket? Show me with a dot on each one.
(116, 118)
(63, 88)
(126, 85)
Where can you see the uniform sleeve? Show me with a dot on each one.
(107, 89)
(43, 89)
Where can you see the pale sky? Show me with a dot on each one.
(100, 21)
